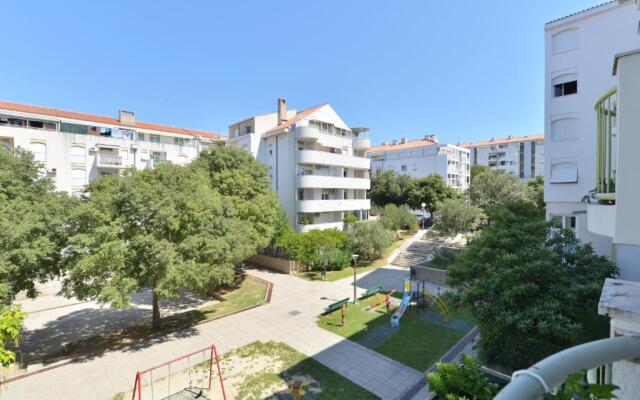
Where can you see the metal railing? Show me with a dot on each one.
(606, 111)
(115, 161)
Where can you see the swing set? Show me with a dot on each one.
(187, 377)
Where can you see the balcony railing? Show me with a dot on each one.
(109, 160)
(606, 111)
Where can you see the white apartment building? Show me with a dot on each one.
(76, 148)
(423, 157)
(522, 156)
(316, 163)
(579, 55)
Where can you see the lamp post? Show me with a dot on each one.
(423, 214)
(354, 257)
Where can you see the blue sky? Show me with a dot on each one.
(462, 70)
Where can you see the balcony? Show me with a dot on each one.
(327, 225)
(109, 161)
(606, 152)
(316, 206)
(331, 182)
(601, 219)
(326, 158)
(312, 134)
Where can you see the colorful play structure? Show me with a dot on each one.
(413, 289)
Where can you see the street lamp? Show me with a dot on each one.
(354, 257)
(423, 214)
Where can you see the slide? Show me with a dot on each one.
(404, 304)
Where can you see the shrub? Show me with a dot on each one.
(466, 380)
(349, 219)
(394, 217)
(369, 239)
(313, 247)
(456, 216)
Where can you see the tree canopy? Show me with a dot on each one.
(430, 190)
(387, 187)
(532, 291)
(456, 216)
(477, 169)
(394, 217)
(369, 239)
(496, 187)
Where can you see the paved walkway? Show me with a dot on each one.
(289, 318)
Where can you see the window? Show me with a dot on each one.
(565, 89)
(332, 149)
(78, 177)
(141, 137)
(78, 155)
(344, 173)
(324, 196)
(521, 159)
(403, 168)
(154, 138)
(300, 194)
(248, 129)
(178, 141)
(73, 128)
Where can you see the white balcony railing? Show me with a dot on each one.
(312, 134)
(315, 206)
(326, 158)
(331, 182)
(109, 161)
(326, 225)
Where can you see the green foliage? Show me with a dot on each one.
(387, 187)
(349, 218)
(316, 248)
(443, 257)
(369, 239)
(536, 187)
(576, 387)
(11, 318)
(527, 287)
(282, 226)
(496, 188)
(166, 228)
(394, 217)
(32, 225)
(456, 216)
(478, 169)
(430, 190)
(461, 381)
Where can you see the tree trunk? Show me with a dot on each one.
(156, 312)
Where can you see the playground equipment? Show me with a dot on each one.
(437, 300)
(386, 301)
(186, 377)
(404, 304)
(338, 305)
(370, 292)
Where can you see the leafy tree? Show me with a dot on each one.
(32, 225)
(532, 292)
(11, 318)
(369, 239)
(478, 169)
(243, 181)
(316, 248)
(536, 187)
(430, 190)
(281, 226)
(461, 381)
(394, 217)
(349, 219)
(496, 187)
(165, 228)
(456, 216)
(387, 187)
(576, 387)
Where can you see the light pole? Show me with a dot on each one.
(423, 214)
(354, 257)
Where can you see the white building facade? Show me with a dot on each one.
(579, 54)
(423, 157)
(76, 148)
(521, 156)
(316, 163)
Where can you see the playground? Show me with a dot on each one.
(413, 327)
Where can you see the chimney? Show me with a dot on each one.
(403, 140)
(282, 110)
(509, 137)
(127, 117)
(492, 139)
(394, 142)
(433, 138)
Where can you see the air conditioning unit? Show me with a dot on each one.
(52, 173)
(92, 150)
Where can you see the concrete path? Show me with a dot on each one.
(289, 318)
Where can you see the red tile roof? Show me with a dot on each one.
(297, 118)
(401, 146)
(514, 139)
(53, 112)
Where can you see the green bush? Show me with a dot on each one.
(349, 219)
(316, 248)
(394, 217)
(461, 381)
(369, 239)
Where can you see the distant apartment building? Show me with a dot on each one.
(521, 156)
(315, 161)
(423, 157)
(579, 71)
(75, 148)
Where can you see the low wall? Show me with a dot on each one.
(434, 275)
(278, 264)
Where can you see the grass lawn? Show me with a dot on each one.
(416, 343)
(244, 293)
(364, 266)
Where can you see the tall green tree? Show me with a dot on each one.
(536, 187)
(166, 229)
(532, 291)
(369, 239)
(478, 169)
(387, 187)
(496, 187)
(456, 216)
(430, 190)
(395, 218)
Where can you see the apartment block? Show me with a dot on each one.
(315, 161)
(423, 157)
(75, 148)
(580, 50)
(521, 156)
